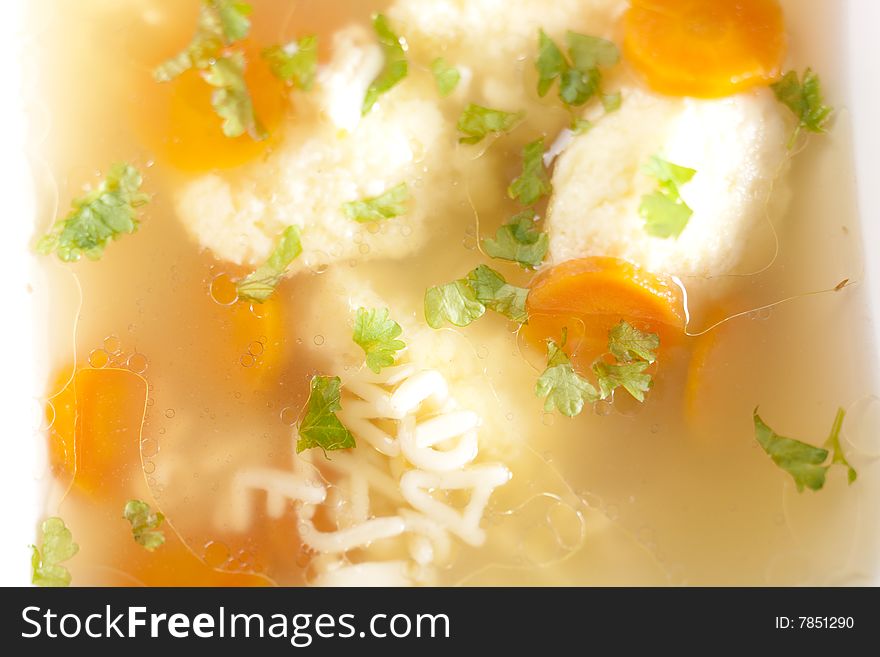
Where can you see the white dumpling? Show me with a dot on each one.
(737, 145)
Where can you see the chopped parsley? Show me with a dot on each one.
(534, 183)
(808, 465)
(260, 284)
(231, 98)
(221, 24)
(454, 302)
(562, 388)
(629, 376)
(395, 68)
(567, 391)
(295, 63)
(446, 76)
(376, 333)
(626, 343)
(465, 300)
(320, 427)
(144, 524)
(634, 352)
(387, 205)
(520, 241)
(494, 292)
(804, 99)
(579, 75)
(612, 102)
(664, 211)
(100, 216)
(56, 546)
(477, 122)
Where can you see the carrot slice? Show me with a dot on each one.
(705, 48)
(589, 296)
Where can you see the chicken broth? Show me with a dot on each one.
(163, 388)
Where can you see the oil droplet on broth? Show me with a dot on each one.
(137, 363)
(319, 340)
(112, 344)
(169, 413)
(255, 348)
(223, 290)
(149, 447)
(247, 360)
(99, 358)
(215, 554)
(289, 415)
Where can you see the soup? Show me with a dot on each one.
(434, 292)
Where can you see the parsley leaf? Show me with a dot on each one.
(144, 524)
(804, 462)
(376, 333)
(626, 343)
(454, 302)
(221, 23)
(804, 99)
(562, 387)
(630, 376)
(550, 63)
(260, 284)
(295, 62)
(467, 299)
(396, 66)
(476, 122)
(534, 183)
(387, 205)
(579, 75)
(833, 444)
(98, 217)
(800, 460)
(231, 98)
(519, 241)
(446, 76)
(493, 291)
(320, 427)
(612, 102)
(664, 211)
(56, 545)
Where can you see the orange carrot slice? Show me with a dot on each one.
(705, 48)
(589, 296)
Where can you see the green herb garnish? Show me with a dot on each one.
(100, 216)
(534, 183)
(259, 285)
(295, 63)
(664, 211)
(396, 66)
(579, 75)
(387, 205)
(808, 465)
(477, 122)
(465, 300)
(220, 25)
(626, 343)
(144, 524)
(563, 388)
(320, 427)
(231, 98)
(376, 333)
(446, 76)
(520, 241)
(804, 99)
(56, 546)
